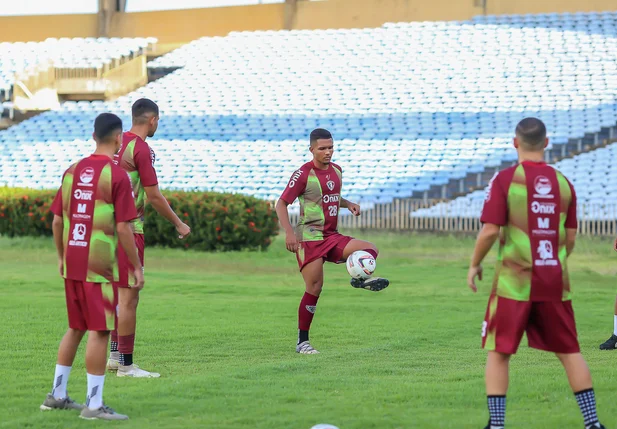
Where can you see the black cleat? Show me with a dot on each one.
(596, 426)
(609, 344)
(488, 426)
(373, 283)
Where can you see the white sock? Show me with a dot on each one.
(615, 325)
(94, 398)
(61, 379)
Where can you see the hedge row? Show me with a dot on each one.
(219, 222)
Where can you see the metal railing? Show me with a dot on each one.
(459, 217)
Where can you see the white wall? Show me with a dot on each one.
(47, 7)
(152, 5)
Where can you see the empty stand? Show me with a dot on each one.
(411, 105)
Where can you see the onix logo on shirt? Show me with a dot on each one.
(294, 178)
(327, 199)
(543, 208)
(83, 195)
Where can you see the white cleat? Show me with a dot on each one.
(112, 365)
(135, 371)
(305, 348)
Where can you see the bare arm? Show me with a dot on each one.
(57, 227)
(352, 207)
(160, 204)
(570, 239)
(486, 238)
(291, 241)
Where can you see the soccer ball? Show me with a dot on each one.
(361, 265)
(324, 426)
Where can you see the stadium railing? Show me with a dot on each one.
(126, 77)
(594, 219)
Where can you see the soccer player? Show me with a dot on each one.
(317, 184)
(137, 158)
(533, 206)
(92, 211)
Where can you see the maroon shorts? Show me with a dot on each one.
(550, 326)
(125, 268)
(91, 306)
(330, 249)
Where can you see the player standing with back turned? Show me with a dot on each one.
(137, 159)
(534, 206)
(317, 184)
(92, 211)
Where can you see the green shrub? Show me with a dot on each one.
(219, 222)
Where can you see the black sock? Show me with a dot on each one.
(126, 359)
(497, 409)
(114, 346)
(587, 403)
(302, 336)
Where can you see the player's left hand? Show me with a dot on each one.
(61, 267)
(354, 209)
(471, 277)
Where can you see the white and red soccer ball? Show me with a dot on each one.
(361, 265)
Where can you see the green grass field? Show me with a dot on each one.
(221, 330)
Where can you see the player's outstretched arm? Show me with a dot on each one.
(486, 238)
(291, 241)
(127, 241)
(161, 205)
(57, 226)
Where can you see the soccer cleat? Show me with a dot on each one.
(112, 364)
(305, 348)
(372, 283)
(596, 426)
(103, 413)
(488, 426)
(67, 403)
(609, 344)
(135, 371)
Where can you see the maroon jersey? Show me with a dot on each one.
(94, 196)
(534, 204)
(137, 158)
(319, 192)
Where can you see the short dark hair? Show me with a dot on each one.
(532, 132)
(106, 125)
(320, 134)
(144, 106)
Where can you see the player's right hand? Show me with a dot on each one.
(61, 267)
(471, 277)
(291, 242)
(139, 279)
(183, 230)
(615, 245)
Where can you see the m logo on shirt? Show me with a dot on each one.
(543, 222)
